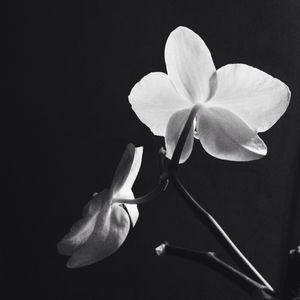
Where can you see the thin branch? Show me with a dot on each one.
(218, 232)
(210, 260)
(161, 187)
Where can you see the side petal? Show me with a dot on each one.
(110, 232)
(226, 136)
(83, 228)
(173, 132)
(258, 98)
(154, 99)
(127, 169)
(190, 65)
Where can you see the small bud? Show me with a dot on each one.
(160, 250)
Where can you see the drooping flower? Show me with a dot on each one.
(106, 217)
(232, 103)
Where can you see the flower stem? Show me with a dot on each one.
(218, 232)
(211, 260)
(161, 187)
(181, 141)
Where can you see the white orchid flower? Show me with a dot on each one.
(105, 223)
(231, 104)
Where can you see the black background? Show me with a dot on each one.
(71, 67)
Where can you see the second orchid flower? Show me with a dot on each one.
(106, 217)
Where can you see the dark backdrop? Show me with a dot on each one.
(71, 67)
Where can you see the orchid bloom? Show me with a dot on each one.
(231, 104)
(105, 223)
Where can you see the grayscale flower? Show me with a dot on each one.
(105, 223)
(234, 103)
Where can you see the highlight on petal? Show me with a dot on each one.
(133, 213)
(226, 136)
(154, 99)
(256, 97)
(83, 228)
(173, 132)
(109, 233)
(127, 169)
(190, 65)
(132, 210)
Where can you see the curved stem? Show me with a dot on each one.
(162, 161)
(212, 261)
(219, 233)
(153, 194)
(181, 142)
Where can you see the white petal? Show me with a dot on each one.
(110, 232)
(154, 99)
(126, 193)
(127, 169)
(83, 228)
(190, 65)
(133, 213)
(224, 135)
(174, 129)
(258, 98)
(135, 167)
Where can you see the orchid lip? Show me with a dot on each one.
(182, 139)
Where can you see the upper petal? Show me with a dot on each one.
(258, 98)
(226, 136)
(127, 169)
(190, 65)
(173, 132)
(83, 228)
(154, 99)
(109, 233)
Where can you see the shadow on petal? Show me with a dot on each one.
(110, 231)
(225, 136)
(83, 228)
(173, 132)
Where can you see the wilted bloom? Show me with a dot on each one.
(233, 103)
(106, 219)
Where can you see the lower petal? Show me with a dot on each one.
(226, 136)
(83, 228)
(173, 132)
(111, 230)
